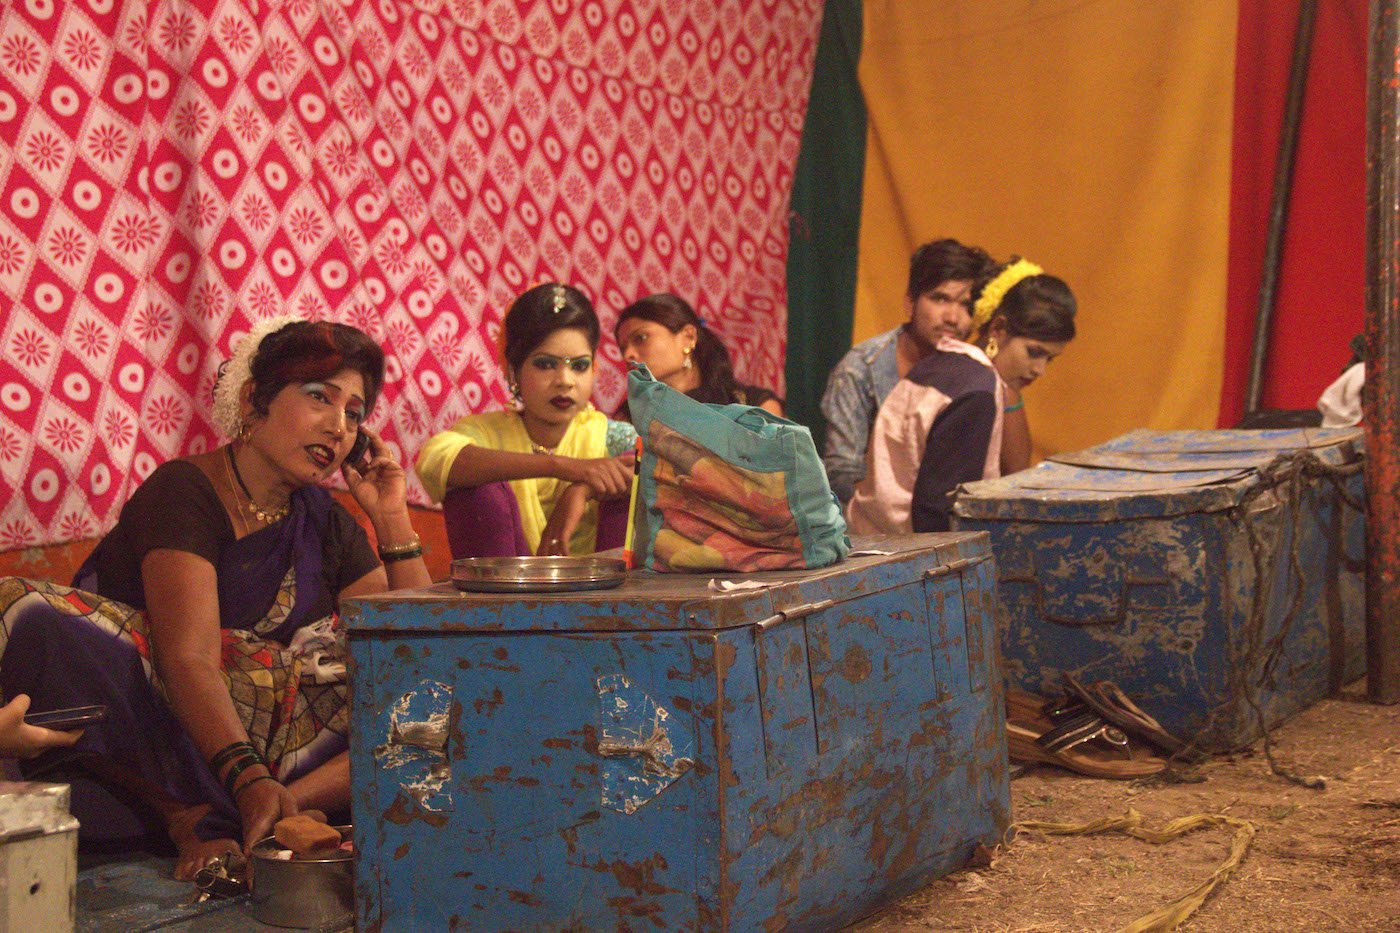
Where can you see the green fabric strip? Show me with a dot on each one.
(824, 225)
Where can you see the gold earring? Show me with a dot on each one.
(687, 364)
(992, 348)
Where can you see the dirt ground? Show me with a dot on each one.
(1321, 860)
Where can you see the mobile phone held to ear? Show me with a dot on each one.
(358, 449)
(65, 720)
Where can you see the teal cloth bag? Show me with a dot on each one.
(727, 487)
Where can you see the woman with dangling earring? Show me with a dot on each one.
(664, 332)
(1022, 319)
(943, 423)
(206, 621)
(550, 475)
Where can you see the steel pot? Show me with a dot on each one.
(314, 892)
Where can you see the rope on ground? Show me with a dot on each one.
(1285, 479)
(1169, 916)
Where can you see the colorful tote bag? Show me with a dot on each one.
(727, 487)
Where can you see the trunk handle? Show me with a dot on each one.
(954, 566)
(796, 612)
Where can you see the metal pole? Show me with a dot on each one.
(1278, 212)
(1381, 396)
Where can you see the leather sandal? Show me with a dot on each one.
(1106, 699)
(1071, 736)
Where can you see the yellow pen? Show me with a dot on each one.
(628, 554)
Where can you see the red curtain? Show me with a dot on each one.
(172, 170)
(1321, 290)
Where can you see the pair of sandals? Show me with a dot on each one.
(1086, 731)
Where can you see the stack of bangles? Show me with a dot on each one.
(389, 553)
(239, 757)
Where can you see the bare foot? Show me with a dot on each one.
(194, 853)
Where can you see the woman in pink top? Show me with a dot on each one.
(1021, 329)
(943, 423)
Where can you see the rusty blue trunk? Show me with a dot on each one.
(1202, 571)
(667, 756)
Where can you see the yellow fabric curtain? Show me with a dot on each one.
(1091, 137)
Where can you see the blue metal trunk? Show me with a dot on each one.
(668, 756)
(1202, 571)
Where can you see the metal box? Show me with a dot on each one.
(38, 858)
(673, 754)
(1203, 571)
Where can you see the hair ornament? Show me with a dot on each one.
(558, 298)
(238, 369)
(995, 290)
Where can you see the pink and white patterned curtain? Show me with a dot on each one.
(172, 171)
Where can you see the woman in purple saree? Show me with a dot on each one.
(206, 621)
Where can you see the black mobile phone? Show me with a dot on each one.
(358, 449)
(63, 720)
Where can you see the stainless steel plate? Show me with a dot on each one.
(537, 574)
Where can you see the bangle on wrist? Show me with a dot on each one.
(390, 551)
(390, 557)
(1020, 403)
(250, 782)
(237, 768)
(228, 753)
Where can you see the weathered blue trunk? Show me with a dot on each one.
(1202, 571)
(666, 756)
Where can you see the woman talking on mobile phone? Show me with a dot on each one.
(206, 621)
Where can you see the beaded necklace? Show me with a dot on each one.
(266, 514)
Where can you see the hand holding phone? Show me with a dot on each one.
(20, 739)
(358, 449)
(65, 720)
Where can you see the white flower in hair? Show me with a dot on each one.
(227, 415)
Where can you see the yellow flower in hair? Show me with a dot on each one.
(992, 295)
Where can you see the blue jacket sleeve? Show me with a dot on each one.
(849, 411)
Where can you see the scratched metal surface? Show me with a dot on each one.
(653, 601)
(795, 769)
(1142, 475)
(1216, 446)
(1058, 492)
(1154, 588)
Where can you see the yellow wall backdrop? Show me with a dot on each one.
(1094, 139)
